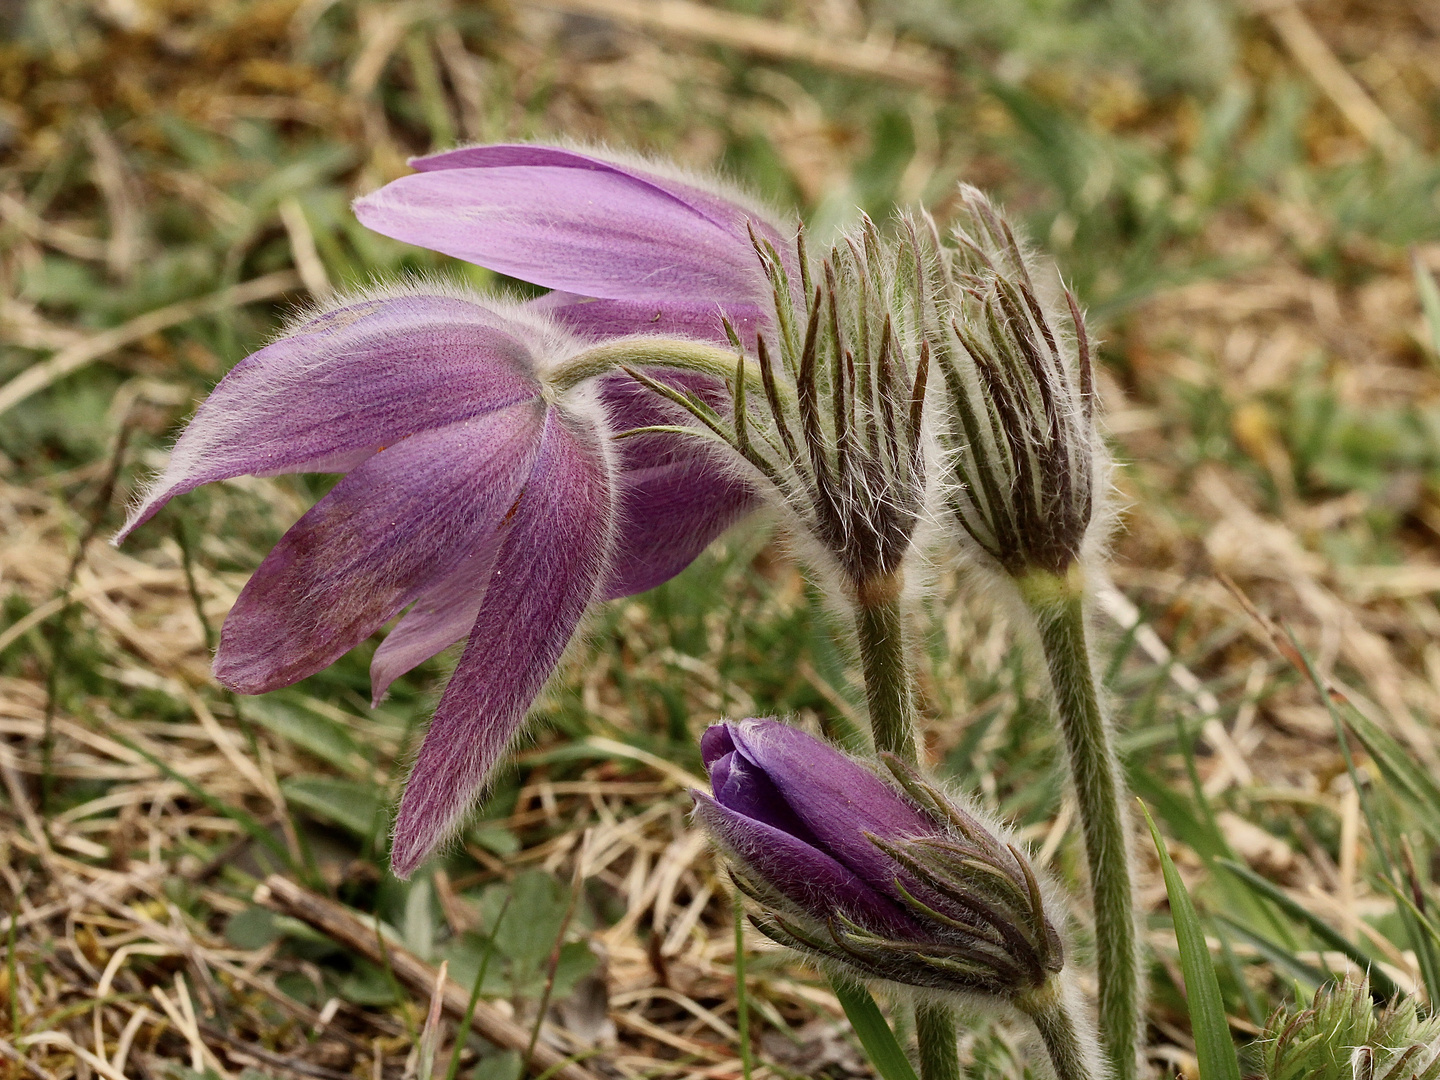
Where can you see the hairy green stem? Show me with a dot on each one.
(1057, 602)
(696, 356)
(1058, 1031)
(880, 627)
(935, 1038)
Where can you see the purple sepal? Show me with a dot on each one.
(597, 320)
(556, 543)
(342, 385)
(837, 799)
(407, 517)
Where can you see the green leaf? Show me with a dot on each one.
(528, 936)
(874, 1033)
(1382, 984)
(252, 928)
(1214, 1047)
(316, 734)
(345, 803)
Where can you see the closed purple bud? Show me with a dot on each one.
(890, 879)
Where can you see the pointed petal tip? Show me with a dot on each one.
(248, 678)
(423, 824)
(405, 860)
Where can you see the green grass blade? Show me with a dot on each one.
(1429, 302)
(1380, 983)
(1214, 1047)
(463, 1035)
(1417, 787)
(1424, 938)
(875, 1035)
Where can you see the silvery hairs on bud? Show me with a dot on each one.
(1028, 472)
(836, 425)
(891, 880)
(1343, 1036)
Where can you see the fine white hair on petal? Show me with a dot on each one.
(548, 341)
(710, 181)
(544, 340)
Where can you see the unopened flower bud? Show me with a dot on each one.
(1343, 1037)
(1024, 456)
(888, 880)
(830, 410)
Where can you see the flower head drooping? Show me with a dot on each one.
(477, 495)
(629, 247)
(1024, 455)
(891, 881)
(482, 491)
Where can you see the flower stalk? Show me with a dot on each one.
(1057, 604)
(889, 693)
(935, 1039)
(1059, 1031)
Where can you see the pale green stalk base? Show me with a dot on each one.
(880, 627)
(935, 1038)
(1058, 1031)
(1058, 606)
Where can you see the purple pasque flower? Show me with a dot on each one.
(476, 494)
(890, 881)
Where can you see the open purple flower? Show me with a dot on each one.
(485, 500)
(896, 883)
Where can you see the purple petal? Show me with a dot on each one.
(597, 320)
(836, 798)
(402, 520)
(440, 616)
(676, 495)
(326, 396)
(715, 743)
(720, 210)
(600, 233)
(668, 516)
(546, 573)
(741, 787)
(816, 883)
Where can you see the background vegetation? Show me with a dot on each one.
(1246, 199)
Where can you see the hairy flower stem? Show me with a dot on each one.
(1058, 1031)
(935, 1038)
(1057, 603)
(879, 624)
